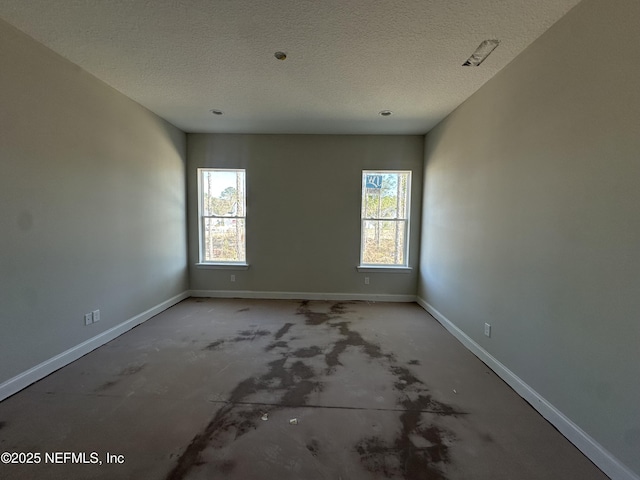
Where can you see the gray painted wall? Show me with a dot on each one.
(532, 223)
(92, 210)
(303, 209)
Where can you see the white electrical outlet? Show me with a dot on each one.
(487, 329)
(96, 316)
(366, 280)
(88, 319)
(233, 278)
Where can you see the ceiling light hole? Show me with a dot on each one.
(280, 55)
(217, 112)
(481, 53)
(385, 113)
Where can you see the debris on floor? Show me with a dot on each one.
(265, 417)
(293, 421)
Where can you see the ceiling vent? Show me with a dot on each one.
(481, 53)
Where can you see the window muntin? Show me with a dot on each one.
(222, 215)
(385, 218)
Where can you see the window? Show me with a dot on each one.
(222, 215)
(385, 218)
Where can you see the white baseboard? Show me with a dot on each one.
(609, 464)
(24, 379)
(303, 295)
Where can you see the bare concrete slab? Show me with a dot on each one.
(255, 389)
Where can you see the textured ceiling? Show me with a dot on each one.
(347, 59)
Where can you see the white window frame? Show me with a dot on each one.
(240, 264)
(403, 267)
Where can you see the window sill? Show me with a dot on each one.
(383, 269)
(223, 266)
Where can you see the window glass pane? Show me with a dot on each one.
(222, 193)
(224, 239)
(222, 215)
(383, 242)
(385, 216)
(385, 194)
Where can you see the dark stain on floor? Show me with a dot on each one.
(214, 345)
(313, 318)
(413, 362)
(421, 455)
(404, 377)
(307, 352)
(131, 370)
(2, 425)
(244, 309)
(426, 404)
(283, 330)
(250, 335)
(243, 336)
(314, 447)
(416, 453)
(280, 344)
(352, 339)
(419, 450)
(107, 385)
(191, 456)
(125, 372)
(339, 308)
(294, 380)
(378, 457)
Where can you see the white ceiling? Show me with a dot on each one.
(347, 59)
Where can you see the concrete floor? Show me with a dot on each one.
(378, 390)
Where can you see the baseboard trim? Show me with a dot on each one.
(24, 379)
(303, 296)
(602, 458)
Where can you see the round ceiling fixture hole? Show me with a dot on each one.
(280, 55)
(385, 113)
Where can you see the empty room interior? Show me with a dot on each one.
(320, 240)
